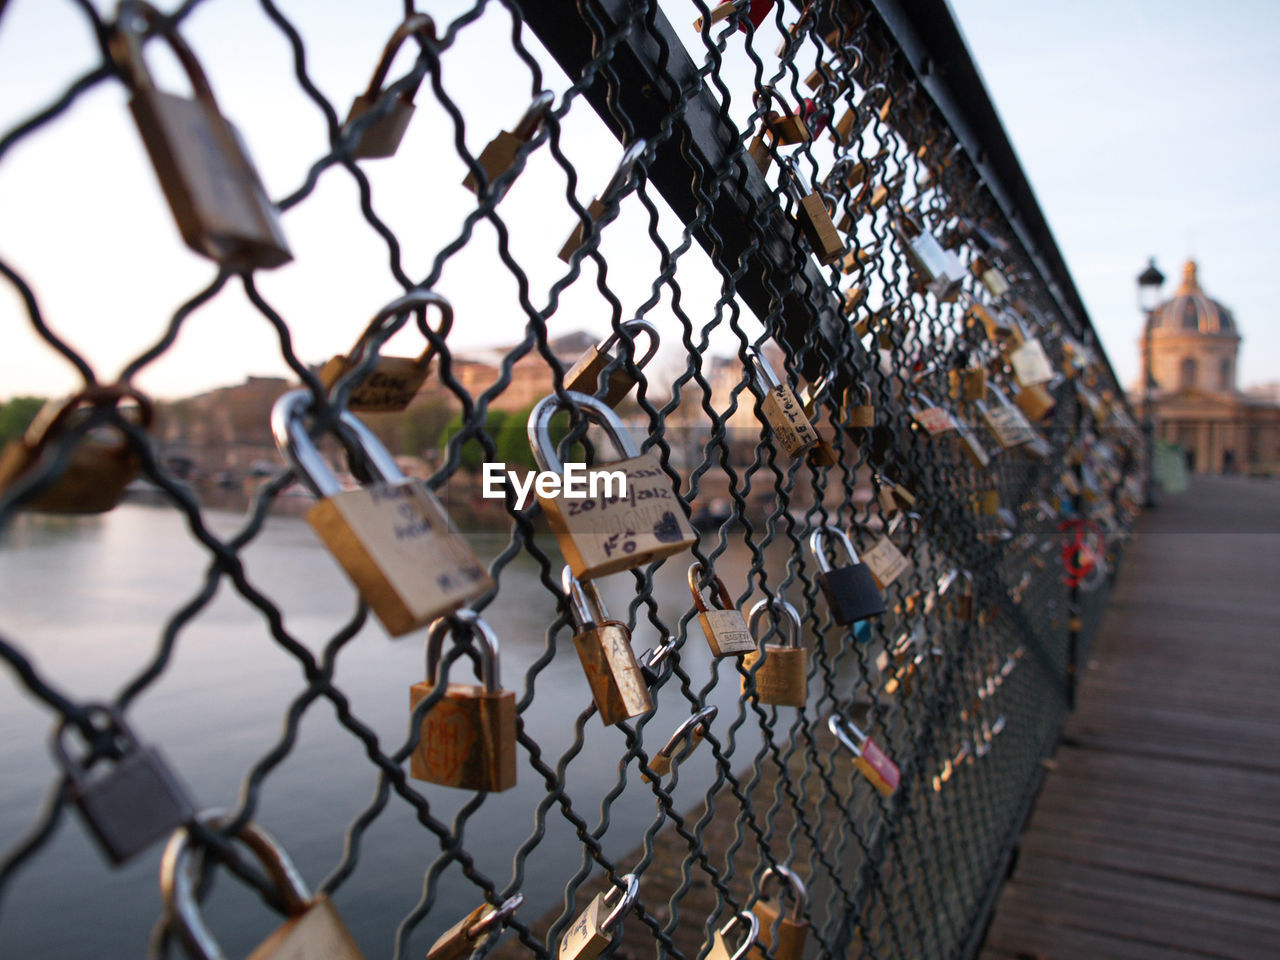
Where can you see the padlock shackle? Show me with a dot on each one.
(117, 728)
(596, 411)
(847, 732)
(789, 879)
(626, 896)
(753, 930)
(774, 605)
(797, 183)
(654, 657)
(294, 441)
(51, 420)
(720, 593)
(125, 45)
(626, 170)
(761, 370)
(418, 25)
(585, 602)
(818, 544)
(634, 327)
(487, 670)
(178, 880)
(766, 95)
(693, 729)
(534, 117)
(493, 917)
(394, 315)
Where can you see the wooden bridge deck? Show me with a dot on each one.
(1157, 832)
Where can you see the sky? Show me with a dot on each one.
(1145, 128)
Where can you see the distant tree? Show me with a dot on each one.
(16, 415)
(473, 452)
(421, 426)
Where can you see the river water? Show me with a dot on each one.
(87, 600)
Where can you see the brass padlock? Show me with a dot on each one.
(813, 216)
(792, 928)
(892, 496)
(97, 470)
(860, 413)
(499, 155)
(465, 937)
(872, 762)
(612, 195)
(392, 537)
(786, 127)
(604, 647)
(853, 298)
(967, 380)
(723, 623)
(635, 516)
(760, 153)
(857, 260)
(313, 929)
(782, 679)
(381, 137)
(687, 736)
(217, 199)
(595, 929)
(882, 192)
(720, 943)
(782, 410)
(1035, 401)
(392, 382)
(584, 375)
(467, 738)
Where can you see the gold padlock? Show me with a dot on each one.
(604, 647)
(785, 127)
(595, 929)
(97, 471)
(499, 155)
(782, 410)
(1035, 401)
(853, 298)
(393, 382)
(392, 537)
(381, 137)
(636, 518)
(720, 944)
(886, 561)
(723, 623)
(782, 679)
(612, 194)
(467, 738)
(857, 260)
(813, 216)
(465, 937)
(313, 929)
(968, 382)
(584, 375)
(687, 736)
(860, 412)
(215, 194)
(872, 762)
(792, 928)
(892, 496)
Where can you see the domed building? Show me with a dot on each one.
(1193, 348)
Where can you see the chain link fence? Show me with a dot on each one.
(778, 199)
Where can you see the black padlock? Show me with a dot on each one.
(137, 802)
(851, 590)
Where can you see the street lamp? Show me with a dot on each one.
(1150, 281)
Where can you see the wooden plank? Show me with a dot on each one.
(1137, 810)
(1056, 940)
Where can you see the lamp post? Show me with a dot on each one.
(1150, 281)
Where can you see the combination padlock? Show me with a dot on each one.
(392, 382)
(98, 469)
(136, 802)
(313, 930)
(599, 923)
(392, 537)
(782, 679)
(872, 762)
(465, 937)
(683, 742)
(813, 216)
(781, 408)
(723, 623)
(722, 948)
(851, 590)
(381, 136)
(584, 375)
(604, 647)
(217, 199)
(499, 155)
(632, 518)
(467, 738)
(611, 196)
(787, 943)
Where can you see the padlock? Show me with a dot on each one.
(687, 736)
(885, 561)
(1035, 401)
(595, 929)
(999, 327)
(854, 120)
(313, 930)
(392, 537)
(1007, 423)
(97, 470)
(857, 259)
(584, 375)
(723, 623)
(933, 420)
(136, 802)
(381, 137)
(760, 152)
(720, 13)
(786, 127)
(609, 529)
(813, 216)
(851, 590)
(814, 115)
(499, 155)
(651, 661)
(1030, 363)
(872, 762)
(989, 501)
(991, 277)
(860, 414)
(720, 943)
(782, 680)
(882, 192)
(217, 199)
(393, 382)
(892, 496)
(971, 445)
(967, 380)
(464, 937)
(467, 738)
(782, 410)
(604, 647)
(853, 298)
(849, 172)
(611, 196)
(939, 268)
(791, 928)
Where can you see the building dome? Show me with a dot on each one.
(1189, 311)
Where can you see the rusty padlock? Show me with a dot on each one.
(787, 128)
(499, 155)
(604, 647)
(612, 195)
(584, 375)
(465, 937)
(782, 680)
(381, 136)
(723, 623)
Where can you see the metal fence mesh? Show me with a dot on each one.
(699, 242)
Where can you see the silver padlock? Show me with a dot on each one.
(940, 269)
(720, 948)
(134, 804)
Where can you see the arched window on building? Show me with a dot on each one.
(1188, 373)
(1224, 374)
